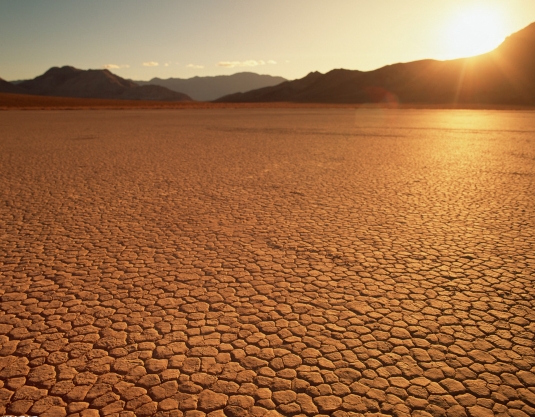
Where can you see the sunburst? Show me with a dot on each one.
(474, 31)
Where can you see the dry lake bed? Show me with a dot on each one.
(265, 262)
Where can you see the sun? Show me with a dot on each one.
(474, 31)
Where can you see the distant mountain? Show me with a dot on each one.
(504, 76)
(210, 88)
(7, 87)
(72, 82)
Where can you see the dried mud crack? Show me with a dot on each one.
(266, 262)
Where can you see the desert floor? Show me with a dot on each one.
(264, 262)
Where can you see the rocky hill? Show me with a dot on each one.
(7, 87)
(72, 82)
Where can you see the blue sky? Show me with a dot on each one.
(164, 38)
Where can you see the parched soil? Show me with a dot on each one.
(265, 262)
(29, 102)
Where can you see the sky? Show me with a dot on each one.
(185, 38)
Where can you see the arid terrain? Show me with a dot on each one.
(267, 261)
(10, 101)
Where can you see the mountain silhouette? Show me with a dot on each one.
(504, 76)
(210, 88)
(72, 82)
(7, 87)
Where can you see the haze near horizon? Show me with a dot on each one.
(140, 40)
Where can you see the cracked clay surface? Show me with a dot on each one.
(267, 262)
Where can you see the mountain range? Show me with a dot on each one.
(211, 88)
(72, 82)
(505, 76)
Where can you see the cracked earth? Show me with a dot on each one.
(267, 262)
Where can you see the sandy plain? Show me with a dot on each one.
(263, 262)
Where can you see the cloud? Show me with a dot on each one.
(195, 66)
(150, 64)
(249, 63)
(115, 66)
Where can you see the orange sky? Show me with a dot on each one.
(172, 38)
